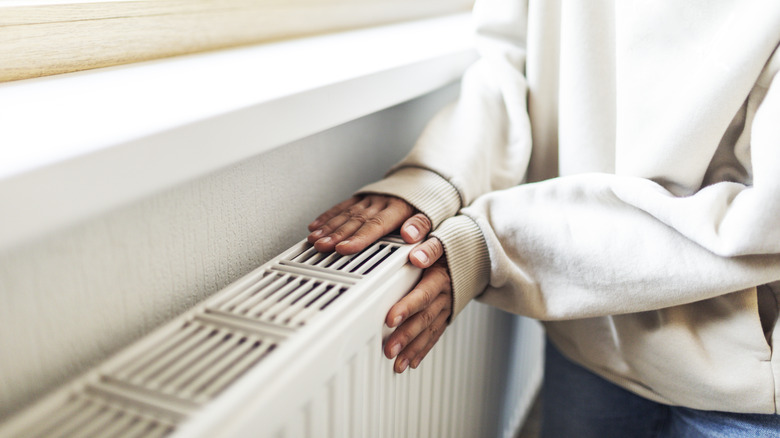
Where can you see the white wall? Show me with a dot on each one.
(71, 299)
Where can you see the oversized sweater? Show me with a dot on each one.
(612, 167)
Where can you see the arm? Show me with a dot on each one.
(479, 144)
(482, 142)
(599, 244)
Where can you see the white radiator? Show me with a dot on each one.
(293, 349)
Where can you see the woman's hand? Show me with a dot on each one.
(421, 316)
(353, 225)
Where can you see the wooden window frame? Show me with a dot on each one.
(52, 37)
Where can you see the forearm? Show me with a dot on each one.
(579, 246)
(482, 142)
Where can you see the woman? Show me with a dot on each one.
(613, 169)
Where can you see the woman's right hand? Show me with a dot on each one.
(353, 225)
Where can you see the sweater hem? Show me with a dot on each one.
(467, 258)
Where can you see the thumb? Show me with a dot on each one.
(416, 228)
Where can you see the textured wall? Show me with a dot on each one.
(71, 299)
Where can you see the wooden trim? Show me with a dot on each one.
(58, 38)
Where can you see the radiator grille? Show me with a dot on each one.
(362, 263)
(84, 415)
(151, 387)
(196, 363)
(282, 298)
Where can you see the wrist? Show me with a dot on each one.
(468, 259)
(426, 191)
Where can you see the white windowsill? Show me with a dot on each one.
(76, 145)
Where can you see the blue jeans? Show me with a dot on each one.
(578, 403)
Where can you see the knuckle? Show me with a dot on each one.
(427, 296)
(357, 214)
(375, 221)
(338, 234)
(423, 222)
(427, 318)
(436, 248)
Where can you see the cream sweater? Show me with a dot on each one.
(648, 237)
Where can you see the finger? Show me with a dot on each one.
(415, 346)
(410, 330)
(325, 229)
(335, 217)
(440, 325)
(346, 224)
(416, 228)
(393, 214)
(416, 350)
(427, 253)
(333, 211)
(345, 231)
(434, 281)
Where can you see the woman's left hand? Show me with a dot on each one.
(421, 316)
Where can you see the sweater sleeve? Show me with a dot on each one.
(597, 244)
(482, 142)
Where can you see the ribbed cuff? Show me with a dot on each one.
(467, 258)
(424, 190)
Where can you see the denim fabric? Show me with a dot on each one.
(578, 403)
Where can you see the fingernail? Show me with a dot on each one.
(343, 242)
(421, 256)
(324, 240)
(396, 321)
(415, 364)
(413, 232)
(394, 350)
(316, 234)
(404, 364)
